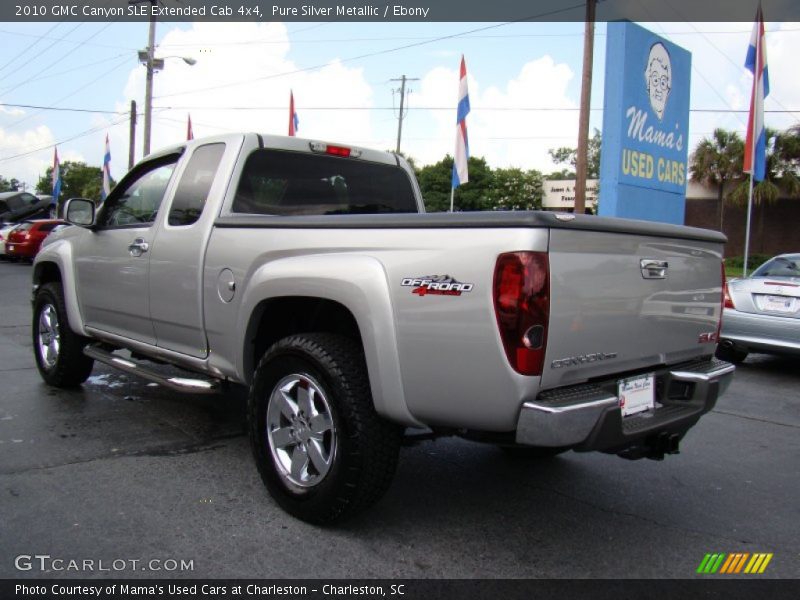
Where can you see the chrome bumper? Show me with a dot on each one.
(567, 417)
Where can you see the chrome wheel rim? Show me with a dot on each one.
(48, 336)
(300, 431)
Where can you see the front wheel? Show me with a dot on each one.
(58, 349)
(320, 447)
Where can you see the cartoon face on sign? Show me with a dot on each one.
(658, 77)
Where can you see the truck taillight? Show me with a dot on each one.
(522, 307)
(342, 151)
(727, 300)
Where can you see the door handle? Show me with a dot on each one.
(138, 247)
(654, 269)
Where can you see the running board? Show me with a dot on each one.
(179, 384)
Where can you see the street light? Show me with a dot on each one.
(152, 64)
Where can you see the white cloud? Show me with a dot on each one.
(28, 168)
(223, 63)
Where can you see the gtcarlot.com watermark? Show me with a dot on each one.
(45, 563)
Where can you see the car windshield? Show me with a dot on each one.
(780, 266)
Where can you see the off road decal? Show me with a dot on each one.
(438, 285)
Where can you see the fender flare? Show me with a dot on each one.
(360, 284)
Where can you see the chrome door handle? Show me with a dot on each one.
(653, 269)
(138, 247)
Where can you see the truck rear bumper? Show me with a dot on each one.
(588, 416)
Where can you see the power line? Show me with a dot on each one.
(28, 48)
(57, 108)
(372, 54)
(63, 141)
(64, 39)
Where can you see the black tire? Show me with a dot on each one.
(68, 366)
(731, 354)
(362, 448)
(532, 452)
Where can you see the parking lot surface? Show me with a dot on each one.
(123, 470)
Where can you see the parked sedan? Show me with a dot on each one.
(762, 312)
(4, 231)
(25, 240)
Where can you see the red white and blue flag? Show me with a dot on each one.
(189, 130)
(460, 173)
(56, 176)
(294, 122)
(106, 189)
(755, 148)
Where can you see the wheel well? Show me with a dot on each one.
(276, 318)
(46, 272)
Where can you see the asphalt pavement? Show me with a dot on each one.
(123, 470)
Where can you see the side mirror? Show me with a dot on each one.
(80, 212)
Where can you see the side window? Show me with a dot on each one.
(47, 226)
(15, 203)
(137, 202)
(195, 185)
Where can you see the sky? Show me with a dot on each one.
(524, 85)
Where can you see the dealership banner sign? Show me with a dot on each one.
(644, 154)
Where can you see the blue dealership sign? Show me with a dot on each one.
(643, 169)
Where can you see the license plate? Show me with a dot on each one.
(636, 394)
(778, 304)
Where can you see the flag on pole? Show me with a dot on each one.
(755, 148)
(106, 190)
(294, 122)
(460, 174)
(189, 130)
(56, 176)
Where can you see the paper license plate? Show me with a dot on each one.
(778, 304)
(636, 394)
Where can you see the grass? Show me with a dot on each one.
(734, 265)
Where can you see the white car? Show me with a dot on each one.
(762, 312)
(5, 229)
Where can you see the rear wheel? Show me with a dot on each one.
(58, 349)
(320, 447)
(731, 354)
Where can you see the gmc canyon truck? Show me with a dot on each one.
(309, 272)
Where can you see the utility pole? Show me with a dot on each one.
(583, 123)
(132, 147)
(403, 80)
(148, 87)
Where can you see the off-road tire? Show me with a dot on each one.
(366, 446)
(71, 366)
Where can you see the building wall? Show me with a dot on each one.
(781, 225)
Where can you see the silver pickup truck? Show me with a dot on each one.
(308, 272)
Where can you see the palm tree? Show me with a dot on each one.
(782, 175)
(717, 161)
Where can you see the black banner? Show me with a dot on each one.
(394, 10)
(400, 589)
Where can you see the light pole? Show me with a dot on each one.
(152, 64)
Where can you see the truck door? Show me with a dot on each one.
(176, 260)
(112, 263)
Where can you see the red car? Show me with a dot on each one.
(25, 240)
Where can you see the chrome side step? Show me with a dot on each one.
(179, 384)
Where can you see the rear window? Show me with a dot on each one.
(275, 182)
(24, 227)
(47, 226)
(780, 266)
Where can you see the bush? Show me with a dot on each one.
(753, 261)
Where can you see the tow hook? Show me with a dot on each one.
(655, 447)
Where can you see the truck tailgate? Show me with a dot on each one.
(611, 312)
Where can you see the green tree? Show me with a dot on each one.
(435, 181)
(782, 175)
(515, 189)
(717, 161)
(8, 185)
(79, 180)
(567, 155)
